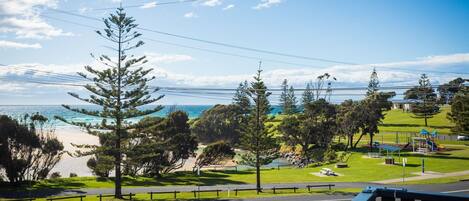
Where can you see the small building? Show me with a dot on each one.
(404, 105)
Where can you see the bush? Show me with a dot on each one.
(330, 155)
(55, 175)
(72, 174)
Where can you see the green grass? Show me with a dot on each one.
(397, 120)
(361, 170)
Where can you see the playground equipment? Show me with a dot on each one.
(426, 143)
(390, 150)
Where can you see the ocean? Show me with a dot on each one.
(50, 111)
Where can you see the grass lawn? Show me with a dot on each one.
(397, 120)
(361, 169)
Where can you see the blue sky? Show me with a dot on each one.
(400, 38)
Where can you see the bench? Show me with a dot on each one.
(163, 192)
(320, 185)
(68, 197)
(236, 190)
(284, 188)
(202, 191)
(100, 196)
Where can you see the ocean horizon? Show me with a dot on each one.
(50, 111)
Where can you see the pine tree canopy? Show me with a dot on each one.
(119, 87)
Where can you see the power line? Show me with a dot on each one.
(217, 43)
(227, 53)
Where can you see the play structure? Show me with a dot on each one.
(390, 151)
(425, 143)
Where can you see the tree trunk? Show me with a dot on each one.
(258, 173)
(426, 120)
(355, 146)
(117, 181)
(371, 141)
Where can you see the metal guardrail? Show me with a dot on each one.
(101, 196)
(386, 194)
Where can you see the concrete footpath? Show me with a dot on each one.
(428, 175)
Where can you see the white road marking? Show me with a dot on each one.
(457, 191)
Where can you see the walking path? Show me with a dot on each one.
(429, 175)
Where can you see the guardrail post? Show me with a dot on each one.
(175, 192)
(273, 189)
(329, 187)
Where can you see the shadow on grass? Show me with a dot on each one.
(39, 189)
(413, 125)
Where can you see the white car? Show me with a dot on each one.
(463, 137)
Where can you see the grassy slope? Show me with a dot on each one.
(396, 120)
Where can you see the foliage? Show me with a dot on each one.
(348, 120)
(372, 112)
(460, 111)
(214, 154)
(257, 138)
(241, 98)
(219, 123)
(28, 147)
(427, 105)
(330, 155)
(308, 95)
(324, 80)
(312, 131)
(448, 90)
(72, 174)
(119, 89)
(55, 175)
(288, 99)
(100, 164)
(165, 146)
(373, 85)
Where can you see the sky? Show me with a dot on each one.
(400, 38)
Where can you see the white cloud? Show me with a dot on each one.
(149, 5)
(212, 3)
(229, 7)
(11, 44)
(266, 4)
(190, 15)
(156, 58)
(22, 18)
(390, 74)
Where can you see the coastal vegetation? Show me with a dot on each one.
(149, 151)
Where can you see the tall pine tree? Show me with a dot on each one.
(308, 95)
(287, 98)
(373, 85)
(427, 105)
(119, 89)
(257, 138)
(241, 97)
(292, 99)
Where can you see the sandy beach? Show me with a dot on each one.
(70, 164)
(77, 165)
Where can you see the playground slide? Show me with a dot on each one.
(435, 147)
(405, 146)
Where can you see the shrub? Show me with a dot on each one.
(72, 174)
(330, 155)
(55, 175)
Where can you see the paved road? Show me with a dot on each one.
(461, 188)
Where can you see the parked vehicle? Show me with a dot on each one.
(463, 137)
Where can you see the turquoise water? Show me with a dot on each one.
(50, 111)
